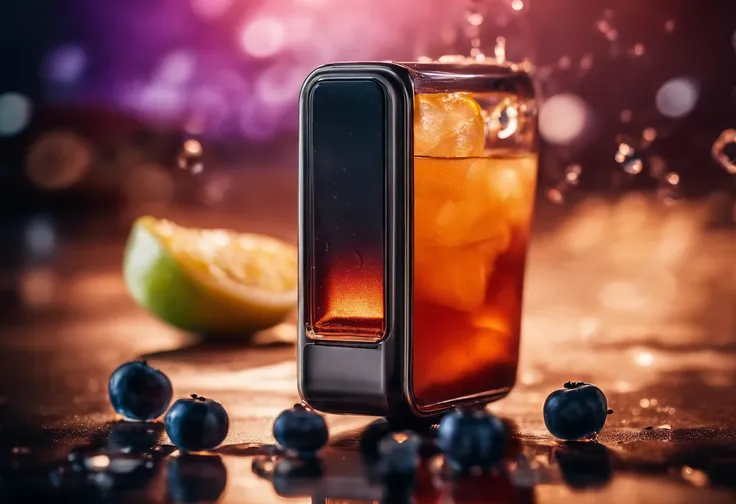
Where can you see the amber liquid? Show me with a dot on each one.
(472, 209)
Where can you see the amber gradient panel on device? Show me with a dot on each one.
(347, 179)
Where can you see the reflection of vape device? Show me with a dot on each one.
(416, 190)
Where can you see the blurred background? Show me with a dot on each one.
(187, 109)
(97, 100)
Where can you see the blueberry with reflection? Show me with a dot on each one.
(197, 423)
(399, 455)
(195, 478)
(134, 437)
(471, 438)
(292, 477)
(578, 411)
(584, 465)
(139, 392)
(300, 431)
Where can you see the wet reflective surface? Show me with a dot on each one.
(633, 295)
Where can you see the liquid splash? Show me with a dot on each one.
(628, 159)
(724, 150)
(190, 157)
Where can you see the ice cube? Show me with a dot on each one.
(448, 125)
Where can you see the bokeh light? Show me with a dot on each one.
(210, 9)
(65, 64)
(39, 237)
(677, 97)
(263, 36)
(562, 119)
(176, 68)
(280, 84)
(58, 160)
(37, 286)
(15, 113)
(157, 100)
(258, 122)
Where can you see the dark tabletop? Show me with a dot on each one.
(628, 293)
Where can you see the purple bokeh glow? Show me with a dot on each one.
(225, 67)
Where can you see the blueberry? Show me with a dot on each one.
(300, 431)
(578, 411)
(196, 424)
(472, 438)
(372, 436)
(139, 392)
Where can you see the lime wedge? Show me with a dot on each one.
(214, 282)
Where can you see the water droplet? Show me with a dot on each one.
(572, 174)
(517, 5)
(612, 35)
(626, 115)
(669, 26)
(638, 49)
(669, 190)
(609, 13)
(190, 157)
(724, 150)
(21, 450)
(628, 159)
(644, 403)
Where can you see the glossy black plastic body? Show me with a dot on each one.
(353, 375)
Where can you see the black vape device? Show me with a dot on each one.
(416, 184)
